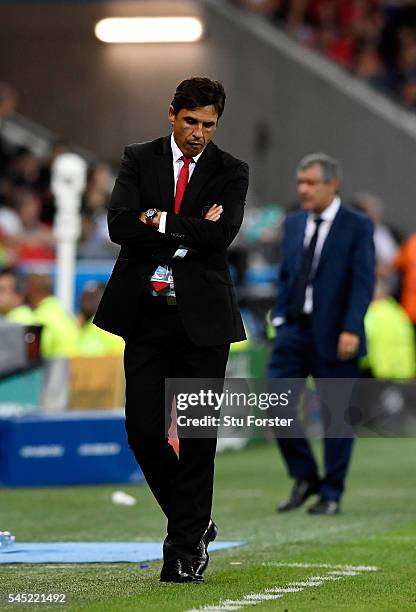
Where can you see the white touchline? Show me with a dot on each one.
(223, 607)
(231, 602)
(325, 578)
(261, 596)
(359, 568)
(308, 583)
(338, 572)
(281, 590)
(344, 573)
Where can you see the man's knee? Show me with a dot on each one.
(142, 438)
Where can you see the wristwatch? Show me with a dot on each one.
(149, 215)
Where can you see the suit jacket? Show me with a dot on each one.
(344, 279)
(205, 296)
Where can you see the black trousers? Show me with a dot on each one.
(159, 348)
(295, 357)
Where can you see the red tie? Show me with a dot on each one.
(181, 185)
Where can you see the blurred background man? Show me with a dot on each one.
(325, 285)
(12, 298)
(60, 333)
(390, 338)
(92, 339)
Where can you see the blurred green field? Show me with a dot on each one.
(377, 528)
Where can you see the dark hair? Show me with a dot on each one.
(19, 280)
(199, 91)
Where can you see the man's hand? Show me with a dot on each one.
(155, 220)
(348, 344)
(214, 212)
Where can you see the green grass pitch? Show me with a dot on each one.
(377, 528)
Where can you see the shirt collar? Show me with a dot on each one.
(329, 213)
(177, 153)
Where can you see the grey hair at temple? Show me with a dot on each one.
(330, 168)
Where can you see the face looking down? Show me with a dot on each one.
(193, 129)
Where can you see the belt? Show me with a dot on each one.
(169, 300)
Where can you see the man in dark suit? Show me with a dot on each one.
(325, 285)
(177, 205)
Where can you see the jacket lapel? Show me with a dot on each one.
(165, 175)
(205, 168)
(298, 240)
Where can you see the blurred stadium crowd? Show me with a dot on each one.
(373, 39)
(27, 206)
(27, 212)
(27, 241)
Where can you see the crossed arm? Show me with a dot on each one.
(126, 226)
(213, 214)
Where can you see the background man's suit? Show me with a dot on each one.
(342, 290)
(190, 340)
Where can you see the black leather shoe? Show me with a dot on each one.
(200, 562)
(325, 506)
(179, 570)
(302, 489)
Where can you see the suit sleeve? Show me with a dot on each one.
(363, 277)
(203, 234)
(279, 308)
(124, 225)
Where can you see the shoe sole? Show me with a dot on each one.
(204, 567)
(183, 581)
(315, 492)
(281, 510)
(214, 535)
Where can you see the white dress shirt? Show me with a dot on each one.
(327, 216)
(177, 165)
(165, 271)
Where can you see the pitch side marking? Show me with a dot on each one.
(261, 596)
(283, 590)
(358, 568)
(338, 572)
(317, 578)
(308, 583)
